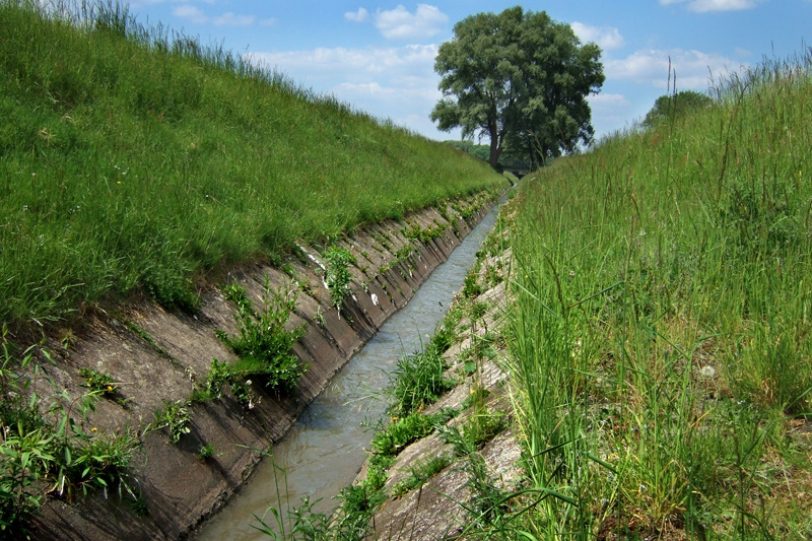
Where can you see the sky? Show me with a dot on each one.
(378, 55)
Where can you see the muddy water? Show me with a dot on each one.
(324, 450)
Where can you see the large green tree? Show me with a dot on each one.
(521, 79)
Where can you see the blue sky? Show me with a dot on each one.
(378, 55)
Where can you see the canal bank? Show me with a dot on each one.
(160, 358)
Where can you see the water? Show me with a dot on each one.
(324, 450)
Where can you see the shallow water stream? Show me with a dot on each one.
(324, 450)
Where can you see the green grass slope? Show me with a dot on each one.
(662, 334)
(135, 160)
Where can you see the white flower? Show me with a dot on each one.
(707, 371)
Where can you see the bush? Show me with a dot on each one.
(264, 345)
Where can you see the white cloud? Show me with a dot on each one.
(348, 61)
(190, 13)
(705, 6)
(195, 15)
(608, 100)
(607, 37)
(694, 68)
(363, 89)
(399, 23)
(358, 16)
(232, 19)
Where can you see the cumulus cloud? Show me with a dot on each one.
(358, 16)
(195, 15)
(190, 13)
(694, 68)
(607, 37)
(348, 60)
(400, 23)
(705, 6)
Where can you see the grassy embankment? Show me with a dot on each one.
(135, 159)
(662, 356)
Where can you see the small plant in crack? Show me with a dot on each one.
(216, 380)
(337, 275)
(206, 452)
(176, 418)
(99, 382)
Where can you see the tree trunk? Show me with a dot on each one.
(496, 150)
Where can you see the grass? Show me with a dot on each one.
(661, 362)
(137, 160)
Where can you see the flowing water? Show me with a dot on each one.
(324, 450)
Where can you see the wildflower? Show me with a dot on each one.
(93, 429)
(707, 371)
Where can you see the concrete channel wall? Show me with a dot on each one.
(157, 356)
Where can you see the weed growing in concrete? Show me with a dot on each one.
(37, 458)
(216, 379)
(337, 273)
(176, 418)
(264, 345)
(206, 452)
(99, 382)
(419, 380)
(420, 473)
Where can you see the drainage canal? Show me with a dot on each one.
(324, 450)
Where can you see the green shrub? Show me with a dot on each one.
(264, 345)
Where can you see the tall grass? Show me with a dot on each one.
(661, 354)
(135, 159)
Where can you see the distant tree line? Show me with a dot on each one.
(510, 161)
(672, 106)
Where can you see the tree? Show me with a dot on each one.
(675, 106)
(521, 79)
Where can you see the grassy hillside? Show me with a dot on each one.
(662, 334)
(131, 159)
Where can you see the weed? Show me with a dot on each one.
(264, 345)
(420, 473)
(244, 394)
(35, 457)
(206, 452)
(419, 380)
(218, 376)
(402, 432)
(337, 274)
(471, 287)
(176, 418)
(99, 382)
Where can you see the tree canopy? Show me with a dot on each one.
(676, 105)
(520, 78)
